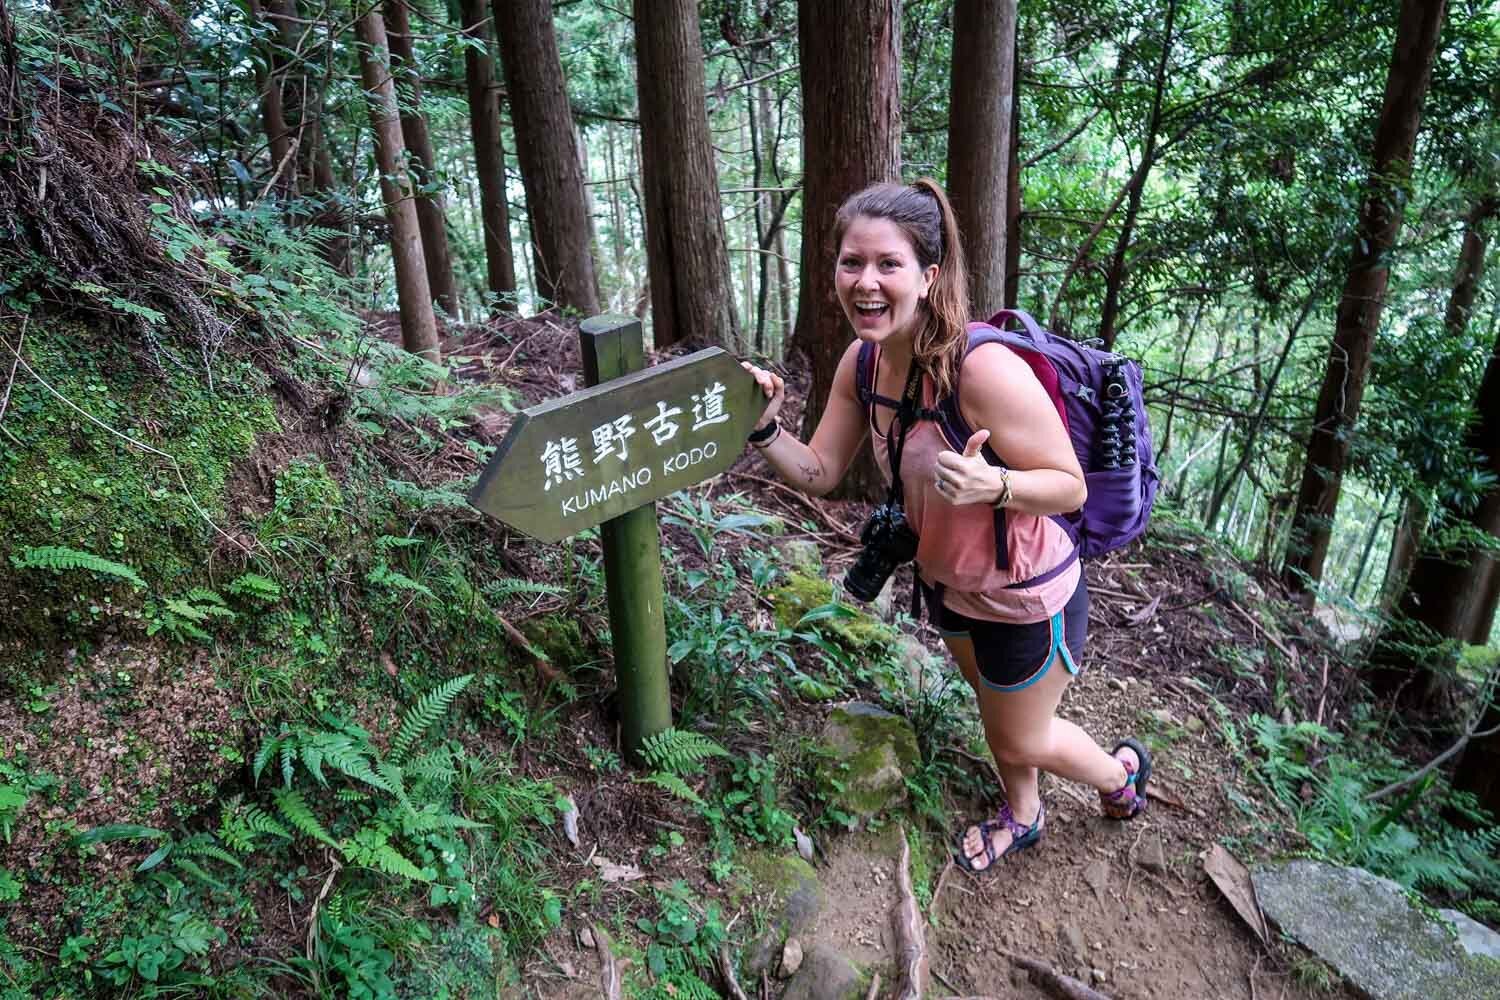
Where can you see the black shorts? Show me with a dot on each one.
(1013, 657)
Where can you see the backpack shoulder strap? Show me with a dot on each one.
(864, 382)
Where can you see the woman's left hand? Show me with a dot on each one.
(967, 478)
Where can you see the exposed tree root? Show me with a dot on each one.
(611, 971)
(911, 942)
(1054, 982)
(726, 970)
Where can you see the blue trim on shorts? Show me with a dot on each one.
(1058, 640)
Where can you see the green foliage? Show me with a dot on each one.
(255, 586)
(683, 946)
(422, 716)
(679, 751)
(12, 801)
(58, 558)
(1407, 838)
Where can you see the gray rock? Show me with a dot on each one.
(1193, 724)
(1153, 857)
(796, 899)
(870, 753)
(791, 958)
(825, 974)
(884, 604)
(1473, 937)
(917, 658)
(802, 555)
(1366, 929)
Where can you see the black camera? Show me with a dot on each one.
(887, 541)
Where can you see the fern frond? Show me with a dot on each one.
(201, 845)
(674, 784)
(385, 576)
(288, 751)
(395, 781)
(371, 848)
(263, 757)
(434, 767)
(59, 558)
(192, 868)
(421, 716)
(679, 751)
(299, 814)
(509, 586)
(202, 595)
(254, 585)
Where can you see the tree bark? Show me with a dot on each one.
(1363, 297)
(1013, 188)
(272, 109)
(692, 295)
(489, 153)
(430, 213)
(981, 101)
(1446, 590)
(1407, 541)
(556, 201)
(850, 64)
(1478, 769)
(418, 325)
(301, 100)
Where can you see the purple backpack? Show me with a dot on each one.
(1098, 395)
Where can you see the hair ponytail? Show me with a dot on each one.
(921, 211)
(939, 344)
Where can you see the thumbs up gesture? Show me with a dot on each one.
(965, 478)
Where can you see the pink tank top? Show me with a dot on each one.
(956, 545)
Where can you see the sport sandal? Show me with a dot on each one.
(1130, 798)
(1021, 837)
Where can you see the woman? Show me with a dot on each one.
(1017, 633)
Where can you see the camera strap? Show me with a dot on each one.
(895, 444)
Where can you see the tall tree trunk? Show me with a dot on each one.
(418, 325)
(850, 59)
(1115, 278)
(981, 102)
(489, 153)
(1363, 296)
(271, 81)
(1445, 590)
(1478, 769)
(1013, 188)
(302, 109)
(692, 294)
(1407, 541)
(430, 214)
(556, 202)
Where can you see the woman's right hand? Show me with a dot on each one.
(774, 386)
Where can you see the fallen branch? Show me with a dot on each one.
(838, 529)
(1436, 762)
(874, 987)
(1258, 627)
(911, 944)
(543, 665)
(1054, 982)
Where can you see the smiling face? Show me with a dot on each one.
(880, 281)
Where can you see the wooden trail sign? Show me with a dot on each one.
(571, 463)
(603, 456)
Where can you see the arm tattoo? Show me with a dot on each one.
(810, 472)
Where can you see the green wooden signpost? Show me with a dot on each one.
(603, 456)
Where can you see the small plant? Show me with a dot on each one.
(60, 559)
(186, 617)
(673, 753)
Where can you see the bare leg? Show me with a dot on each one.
(1025, 736)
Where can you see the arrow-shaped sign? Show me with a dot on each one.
(575, 462)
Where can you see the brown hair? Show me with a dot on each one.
(921, 211)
